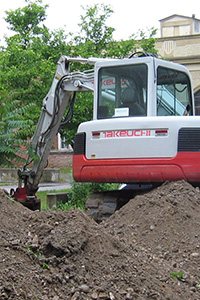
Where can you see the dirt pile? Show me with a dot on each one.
(149, 249)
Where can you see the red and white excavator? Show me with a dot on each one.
(144, 128)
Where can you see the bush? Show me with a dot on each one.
(80, 192)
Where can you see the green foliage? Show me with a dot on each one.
(13, 130)
(28, 63)
(37, 256)
(93, 25)
(27, 66)
(147, 40)
(121, 49)
(45, 266)
(83, 111)
(179, 276)
(81, 190)
(69, 204)
(197, 283)
(25, 21)
(24, 74)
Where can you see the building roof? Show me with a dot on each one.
(181, 16)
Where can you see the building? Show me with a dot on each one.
(177, 25)
(180, 42)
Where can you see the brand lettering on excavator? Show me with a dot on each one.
(108, 82)
(127, 133)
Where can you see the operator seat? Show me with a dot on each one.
(130, 99)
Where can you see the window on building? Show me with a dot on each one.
(62, 144)
(196, 26)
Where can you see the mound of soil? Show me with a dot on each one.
(149, 249)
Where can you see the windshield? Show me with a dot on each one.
(122, 91)
(173, 93)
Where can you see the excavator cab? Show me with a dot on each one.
(143, 89)
(123, 91)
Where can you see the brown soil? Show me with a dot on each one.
(149, 249)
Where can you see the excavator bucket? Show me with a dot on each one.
(25, 197)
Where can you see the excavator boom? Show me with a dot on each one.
(64, 84)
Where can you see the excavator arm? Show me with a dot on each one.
(64, 85)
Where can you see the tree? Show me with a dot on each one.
(28, 63)
(147, 40)
(27, 66)
(25, 21)
(13, 131)
(93, 24)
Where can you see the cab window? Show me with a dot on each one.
(173, 93)
(122, 91)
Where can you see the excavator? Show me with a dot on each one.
(144, 129)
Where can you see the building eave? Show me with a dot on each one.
(176, 15)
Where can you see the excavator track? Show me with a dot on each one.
(100, 206)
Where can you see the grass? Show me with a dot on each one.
(66, 172)
(68, 205)
(42, 195)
